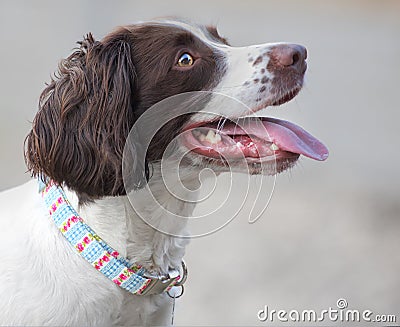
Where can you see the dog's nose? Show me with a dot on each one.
(289, 55)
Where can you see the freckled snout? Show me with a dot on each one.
(286, 56)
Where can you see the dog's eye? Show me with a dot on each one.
(185, 60)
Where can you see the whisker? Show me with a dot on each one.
(221, 125)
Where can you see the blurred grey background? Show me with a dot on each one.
(332, 229)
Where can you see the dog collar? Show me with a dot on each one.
(133, 278)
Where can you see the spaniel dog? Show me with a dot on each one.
(81, 217)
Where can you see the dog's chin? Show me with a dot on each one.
(262, 166)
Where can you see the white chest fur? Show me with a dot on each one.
(47, 283)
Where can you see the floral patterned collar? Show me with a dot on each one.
(106, 260)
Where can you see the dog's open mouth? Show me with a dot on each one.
(254, 138)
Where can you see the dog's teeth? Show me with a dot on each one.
(202, 137)
(196, 133)
(274, 147)
(212, 137)
(218, 137)
(210, 134)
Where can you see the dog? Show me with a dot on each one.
(76, 149)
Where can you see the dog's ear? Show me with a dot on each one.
(84, 117)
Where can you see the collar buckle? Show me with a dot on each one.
(161, 283)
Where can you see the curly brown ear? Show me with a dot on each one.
(84, 117)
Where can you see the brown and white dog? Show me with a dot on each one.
(78, 138)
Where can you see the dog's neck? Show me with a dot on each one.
(126, 227)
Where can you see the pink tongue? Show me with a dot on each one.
(290, 137)
(287, 136)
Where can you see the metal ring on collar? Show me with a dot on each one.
(176, 296)
(184, 275)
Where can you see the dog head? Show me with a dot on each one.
(100, 91)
